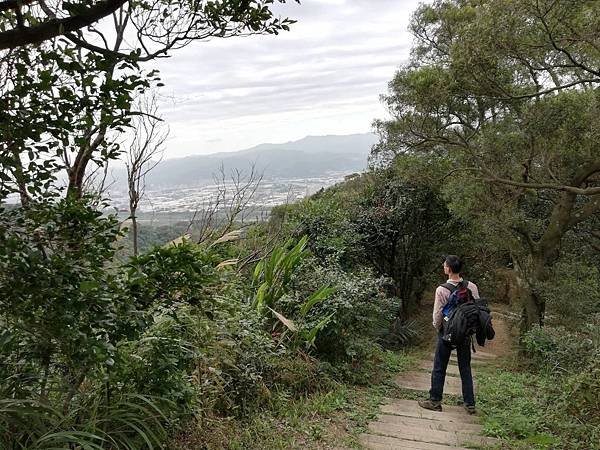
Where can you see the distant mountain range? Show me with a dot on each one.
(312, 156)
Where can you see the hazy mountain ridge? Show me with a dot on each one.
(308, 157)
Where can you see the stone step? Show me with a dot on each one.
(474, 362)
(421, 381)
(451, 370)
(431, 424)
(377, 442)
(478, 357)
(412, 433)
(410, 408)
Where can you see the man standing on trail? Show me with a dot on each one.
(452, 268)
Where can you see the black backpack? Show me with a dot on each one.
(469, 317)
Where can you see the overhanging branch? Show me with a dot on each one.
(57, 27)
(556, 187)
(584, 174)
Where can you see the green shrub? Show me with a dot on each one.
(239, 361)
(572, 295)
(63, 305)
(298, 374)
(395, 219)
(325, 219)
(185, 272)
(359, 308)
(203, 365)
(273, 273)
(582, 395)
(161, 362)
(362, 363)
(272, 278)
(559, 350)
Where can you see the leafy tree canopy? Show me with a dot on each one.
(64, 101)
(507, 92)
(164, 23)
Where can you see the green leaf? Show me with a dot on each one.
(316, 297)
(260, 296)
(312, 335)
(258, 270)
(88, 286)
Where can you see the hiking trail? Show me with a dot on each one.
(403, 424)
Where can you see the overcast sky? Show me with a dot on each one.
(323, 77)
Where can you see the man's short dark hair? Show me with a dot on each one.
(455, 263)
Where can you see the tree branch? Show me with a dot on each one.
(57, 27)
(557, 187)
(564, 51)
(546, 91)
(521, 231)
(586, 211)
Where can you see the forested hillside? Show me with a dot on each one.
(284, 333)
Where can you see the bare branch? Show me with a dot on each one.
(147, 143)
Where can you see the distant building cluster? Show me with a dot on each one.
(269, 193)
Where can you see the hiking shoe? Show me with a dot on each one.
(470, 409)
(430, 404)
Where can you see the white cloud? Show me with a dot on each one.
(323, 77)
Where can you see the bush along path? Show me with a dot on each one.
(402, 424)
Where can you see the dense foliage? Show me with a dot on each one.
(497, 109)
(506, 93)
(169, 336)
(381, 221)
(491, 153)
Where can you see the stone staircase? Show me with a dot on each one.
(403, 424)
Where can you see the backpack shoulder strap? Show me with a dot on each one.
(452, 287)
(449, 286)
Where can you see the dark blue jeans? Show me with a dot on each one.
(440, 364)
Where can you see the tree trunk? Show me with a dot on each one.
(533, 311)
(404, 311)
(539, 260)
(134, 231)
(19, 175)
(530, 276)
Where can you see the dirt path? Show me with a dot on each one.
(402, 424)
